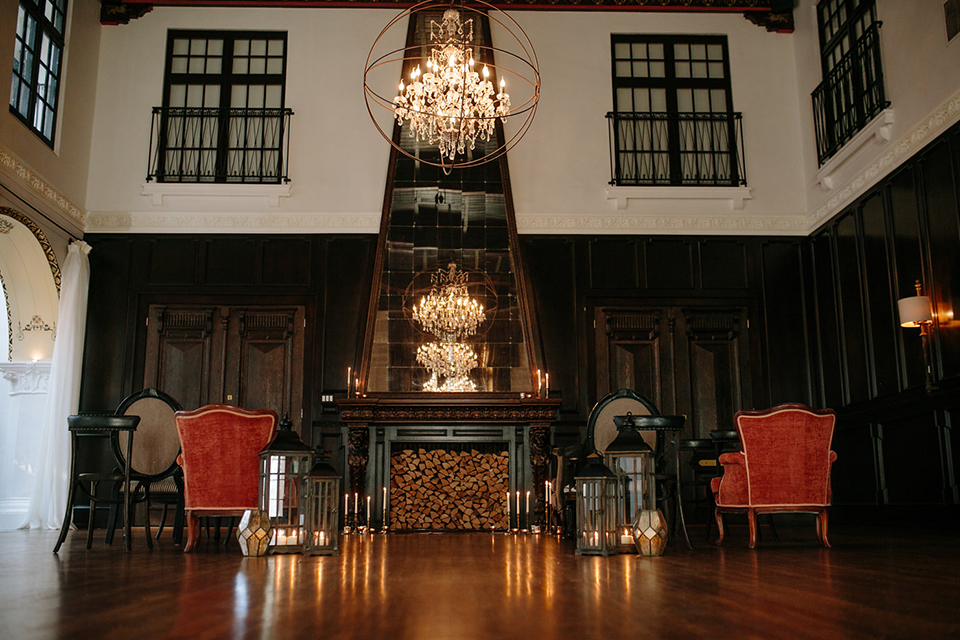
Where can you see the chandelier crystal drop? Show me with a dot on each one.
(451, 105)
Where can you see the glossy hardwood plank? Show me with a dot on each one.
(872, 583)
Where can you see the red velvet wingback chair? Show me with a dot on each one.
(783, 466)
(220, 446)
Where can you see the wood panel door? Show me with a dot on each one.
(248, 356)
(693, 361)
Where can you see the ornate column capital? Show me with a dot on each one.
(26, 377)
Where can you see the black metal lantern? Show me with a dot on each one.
(632, 460)
(321, 492)
(283, 464)
(596, 509)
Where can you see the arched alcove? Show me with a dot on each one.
(31, 286)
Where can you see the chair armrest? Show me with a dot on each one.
(833, 456)
(733, 457)
(180, 461)
(731, 488)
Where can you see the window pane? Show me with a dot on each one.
(275, 65)
(258, 66)
(276, 48)
(657, 70)
(258, 47)
(181, 47)
(622, 50)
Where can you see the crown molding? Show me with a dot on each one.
(207, 222)
(671, 225)
(46, 197)
(942, 118)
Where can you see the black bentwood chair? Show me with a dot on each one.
(92, 425)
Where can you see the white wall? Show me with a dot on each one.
(63, 168)
(338, 161)
(922, 78)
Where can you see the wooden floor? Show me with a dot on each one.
(872, 583)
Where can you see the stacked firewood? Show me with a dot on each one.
(438, 489)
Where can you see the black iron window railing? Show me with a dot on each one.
(676, 149)
(219, 145)
(850, 96)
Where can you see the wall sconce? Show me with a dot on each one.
(915, 311)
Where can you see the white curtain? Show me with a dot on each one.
(49, 500)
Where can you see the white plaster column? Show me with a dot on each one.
(23, 395)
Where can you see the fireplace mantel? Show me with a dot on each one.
(436, 408)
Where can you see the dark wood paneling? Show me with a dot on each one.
(104, 383)
(905, 219)
(614, 264)
(173, 261)
(723, 264)
(828, 343)
(230, 261)
(286, 261)
(881, 301)
(552, 272)
(784, 322)
(669, 264)
(849, 296)
(854, 477)
(913, 472)
(943, 221)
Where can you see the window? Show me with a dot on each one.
(223, 117)
(37, 59)
(852, 91)
(673, 121)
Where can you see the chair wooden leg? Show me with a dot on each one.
(719, 518)
(822, 528)
(752, 522)
(193, 533)
(146, 515)
(92, 516)
(68, 516)
(163, 521)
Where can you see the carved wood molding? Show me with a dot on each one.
(122, 11)
(399, 410)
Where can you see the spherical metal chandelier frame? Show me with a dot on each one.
(526, 72)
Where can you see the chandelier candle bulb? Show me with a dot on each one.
(349, 371)
(547, 385)
(368, 512)
(527, 509)
(384, 522)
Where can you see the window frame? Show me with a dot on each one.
(672, 84)
(44, 27)
(226, 81)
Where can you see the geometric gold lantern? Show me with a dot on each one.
(253, 533)
(650, 532)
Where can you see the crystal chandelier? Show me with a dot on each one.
(451, 105)
(452, 96)
(449, 313)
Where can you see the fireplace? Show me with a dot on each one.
(448, 462)
(449, 486)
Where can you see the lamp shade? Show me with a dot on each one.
(914, 311)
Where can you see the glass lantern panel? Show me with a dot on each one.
(321, 516)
